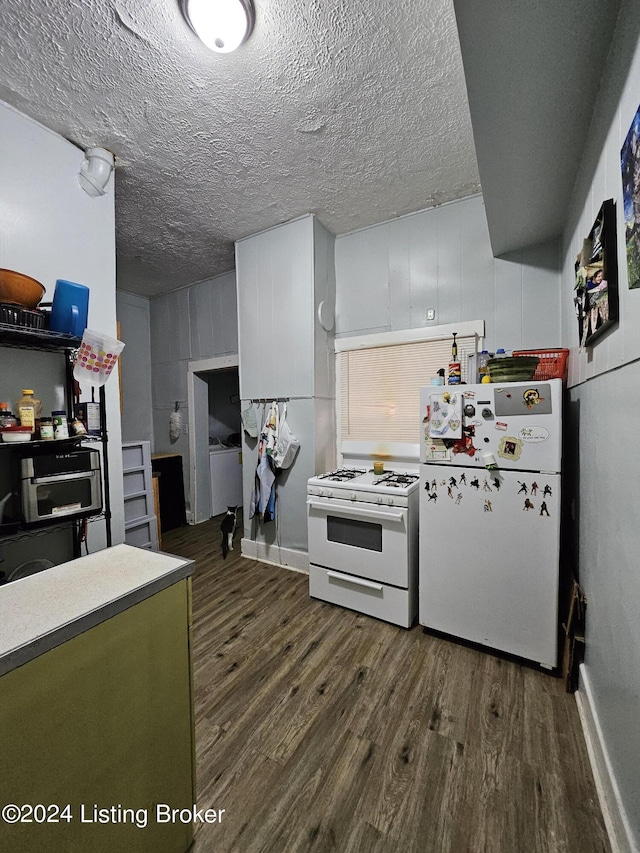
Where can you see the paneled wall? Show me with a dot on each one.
(194, 323)
(275, 308)
(283, 274)
(134, 317)
(606, 380)
(390, 274)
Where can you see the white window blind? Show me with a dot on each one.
(380, 386)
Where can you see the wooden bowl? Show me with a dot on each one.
(19, 289)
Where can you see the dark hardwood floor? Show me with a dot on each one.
(320, 729)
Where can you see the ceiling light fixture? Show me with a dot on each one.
(95, 171)
(222, 25)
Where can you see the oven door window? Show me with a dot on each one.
(63, 497)
(358, 534)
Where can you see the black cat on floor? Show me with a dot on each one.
(227, 528)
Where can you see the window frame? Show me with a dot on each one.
(400, 451)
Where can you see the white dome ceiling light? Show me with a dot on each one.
(222, 25)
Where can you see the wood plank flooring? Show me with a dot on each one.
(320, 729)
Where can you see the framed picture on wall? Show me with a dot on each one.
(596, 288)
(630, 166)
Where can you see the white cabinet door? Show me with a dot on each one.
(226, 479)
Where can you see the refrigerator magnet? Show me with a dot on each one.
(437, 451)
(510, 447)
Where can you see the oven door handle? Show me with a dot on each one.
(56, 478)
(358, 511)
(355, 581)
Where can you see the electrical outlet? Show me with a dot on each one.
(431, 313)
(185, 429)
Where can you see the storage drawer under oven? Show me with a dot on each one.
(398, 606)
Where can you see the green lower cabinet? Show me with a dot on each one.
(96, 737)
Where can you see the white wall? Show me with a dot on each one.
(607, 537)
(190, 324)
(49, 229)
(134, 316)
(388, 275)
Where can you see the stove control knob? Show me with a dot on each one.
(390, 500)
(379, 499)
(353, 496)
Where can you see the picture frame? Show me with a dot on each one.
(630, 168)
(596, 287)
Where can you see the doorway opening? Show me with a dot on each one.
(214, 437)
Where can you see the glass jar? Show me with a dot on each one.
(77, 427)
(46, 429)
(6, 418)
(60, 425)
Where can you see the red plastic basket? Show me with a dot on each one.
(552, 364)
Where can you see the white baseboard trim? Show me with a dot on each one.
(613, 811)
(287, 558)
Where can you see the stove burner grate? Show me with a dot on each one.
(396, 481)
(342, 474)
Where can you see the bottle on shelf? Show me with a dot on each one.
(29, 409)
(60, 424)
(46, 429)
(483, 358)
(455, 373)
(6, 418)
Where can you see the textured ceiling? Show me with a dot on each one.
(356, 112)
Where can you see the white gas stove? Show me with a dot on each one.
(392, 488)
(363, 532)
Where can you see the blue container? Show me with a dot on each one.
(70, 308)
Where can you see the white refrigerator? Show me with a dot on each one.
(490, 515)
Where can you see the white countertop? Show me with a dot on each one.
(44, 610)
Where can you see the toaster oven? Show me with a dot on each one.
(60, 485)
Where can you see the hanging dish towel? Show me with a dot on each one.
(263, 497)
(249, 421)
(271, 430)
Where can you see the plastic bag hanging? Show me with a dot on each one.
(175, 423)
(287, 445)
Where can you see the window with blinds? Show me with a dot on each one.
(380, 386)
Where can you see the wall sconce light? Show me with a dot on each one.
(95, 171)
(222, 25)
